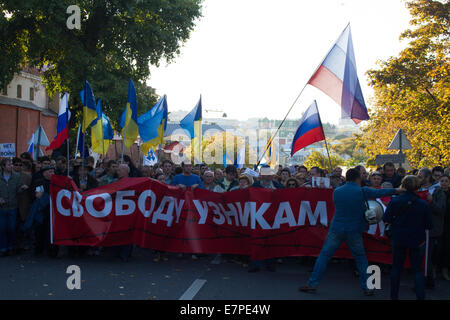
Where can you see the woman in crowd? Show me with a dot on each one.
(409, 216)
(209, 183)
(245, 181)
(444, 243)
(437, 202)
(292, 183)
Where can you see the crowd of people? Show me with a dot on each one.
(25, 205)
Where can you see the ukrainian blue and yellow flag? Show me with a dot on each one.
(89, 107)
(128, 119)
(152, 125)
(270, 155)
(192, 123)
(101, 132)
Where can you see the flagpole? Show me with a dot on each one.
(68, 136)
(296, 99)
(123, 143)
(325, 138)
(39, 142)
(78, 140)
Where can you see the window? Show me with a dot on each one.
(31, 94)
(19, 91)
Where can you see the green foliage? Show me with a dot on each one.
(118, 40)
(412, 90)
(348, 146)
(317, 159)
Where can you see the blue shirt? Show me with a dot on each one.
(408, 228)
(187, 181)
(349, 206)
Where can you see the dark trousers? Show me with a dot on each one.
(42, 233)
(398, 261)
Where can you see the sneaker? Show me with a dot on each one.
(307, 289)
(254, 269)
(445, 274)
(369, 292)
(157, 258)
(271, 268)
(429, 283)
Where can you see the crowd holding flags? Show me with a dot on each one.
(336, 76)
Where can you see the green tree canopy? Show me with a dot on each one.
(412, 90)
(118, 40)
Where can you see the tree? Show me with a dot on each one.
(118, 40)
(412, 90)
(348, 146)
(317, 159)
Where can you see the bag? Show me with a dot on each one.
(370, 215)
(388, 226)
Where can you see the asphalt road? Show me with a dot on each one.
(26, 276)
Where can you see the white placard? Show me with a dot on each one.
(7, 150)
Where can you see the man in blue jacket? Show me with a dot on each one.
(347, 225)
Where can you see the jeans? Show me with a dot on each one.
(7, 229)
(332, 243)
(398, 260)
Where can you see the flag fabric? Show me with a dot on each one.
(129, 119)
(270, 155)
(337, 77)
(39, 138)
(31, 146)
(99, 140)
(152, 125)
(151, 159)
(192, 123)
(62, 127)
(224, 160)
(240, 159)
(309, 131)
(80, 143)
(89, 106)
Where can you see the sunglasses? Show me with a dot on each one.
(292, 185)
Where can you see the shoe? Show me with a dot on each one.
(157, 258)
(180, 256)
(271, 268)
(307, 289)
(445, 274)
(429, 283)
(254, 269)
(369, 292)
(280, 261)
(194, 257)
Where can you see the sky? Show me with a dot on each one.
(251, 58)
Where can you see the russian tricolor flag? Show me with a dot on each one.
(62, 129)
(337, 78)
(309, 131)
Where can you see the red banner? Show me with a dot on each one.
(261, 223)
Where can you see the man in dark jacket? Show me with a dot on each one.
(10, 186)
(409, 217)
